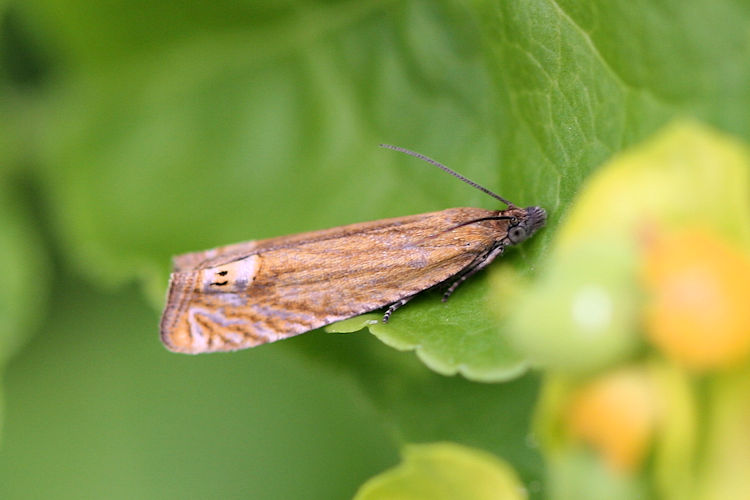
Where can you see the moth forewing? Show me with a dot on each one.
(246, 294)
(286, 286)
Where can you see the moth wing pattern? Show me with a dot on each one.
(215, 256)
(221, 255)
(246, 294)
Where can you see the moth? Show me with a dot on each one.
(243, 295)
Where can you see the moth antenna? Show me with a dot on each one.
(450, 171)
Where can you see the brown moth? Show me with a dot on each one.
(243, 295)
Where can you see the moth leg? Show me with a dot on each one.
(472, 270)
(395, 306)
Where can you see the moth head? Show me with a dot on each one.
(524, 226)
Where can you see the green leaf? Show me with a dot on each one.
(462, 337)
(24, 269)
(444, 471)
(585, 79)
(105, 33)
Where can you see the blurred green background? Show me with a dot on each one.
(133, 131)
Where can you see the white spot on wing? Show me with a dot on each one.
(246, 269)
(235, 276)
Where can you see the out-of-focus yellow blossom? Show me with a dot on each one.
(699, 309)
(616, 414)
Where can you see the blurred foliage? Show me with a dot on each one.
(131, 132)
(629, 417)
(444, 471)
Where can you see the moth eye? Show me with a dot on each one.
(517, 234)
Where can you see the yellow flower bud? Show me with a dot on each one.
(699, 312)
